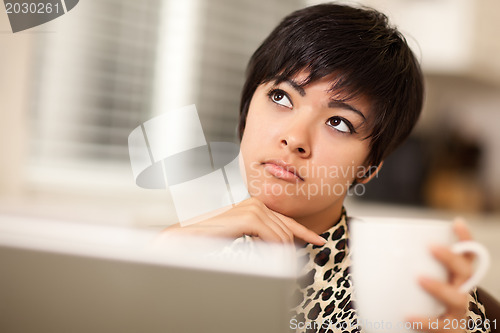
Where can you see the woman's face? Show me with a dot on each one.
(302, 148)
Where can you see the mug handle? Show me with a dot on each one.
(482, 266)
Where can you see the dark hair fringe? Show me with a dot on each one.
(368, 57)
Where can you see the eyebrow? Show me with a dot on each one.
(334, 103)
(342, 105)
(297, 87)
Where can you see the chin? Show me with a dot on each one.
(282, 204)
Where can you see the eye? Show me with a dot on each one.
(340, 124)
(280, 97)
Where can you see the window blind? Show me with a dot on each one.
(106, 67)
(93, 81)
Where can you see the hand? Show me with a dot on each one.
(460, 269)
(250, 217)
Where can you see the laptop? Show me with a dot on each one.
(68, 277)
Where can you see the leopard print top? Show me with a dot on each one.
(324, 300)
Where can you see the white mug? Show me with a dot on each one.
(388, 257)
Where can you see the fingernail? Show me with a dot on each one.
(322, 240)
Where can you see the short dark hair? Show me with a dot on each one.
(371, 58)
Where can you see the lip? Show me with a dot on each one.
(282, 170)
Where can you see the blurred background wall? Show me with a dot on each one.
(73, 89)
(453, 159)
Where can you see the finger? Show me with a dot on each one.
(454, 301)
(276, 224)
(279, 223)
(459, 267)
(461, 229)
(463, 233)
(273, 222)
(264, 232)
(261, 225)
(288, 223)
(302, 232)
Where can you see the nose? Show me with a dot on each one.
(296, 138)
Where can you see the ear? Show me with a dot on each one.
(372, 172)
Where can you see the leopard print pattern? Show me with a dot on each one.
(324, 302)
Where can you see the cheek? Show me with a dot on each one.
(344, 161)
(261, 131)
(259, 116)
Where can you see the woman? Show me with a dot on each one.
(330, 93)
